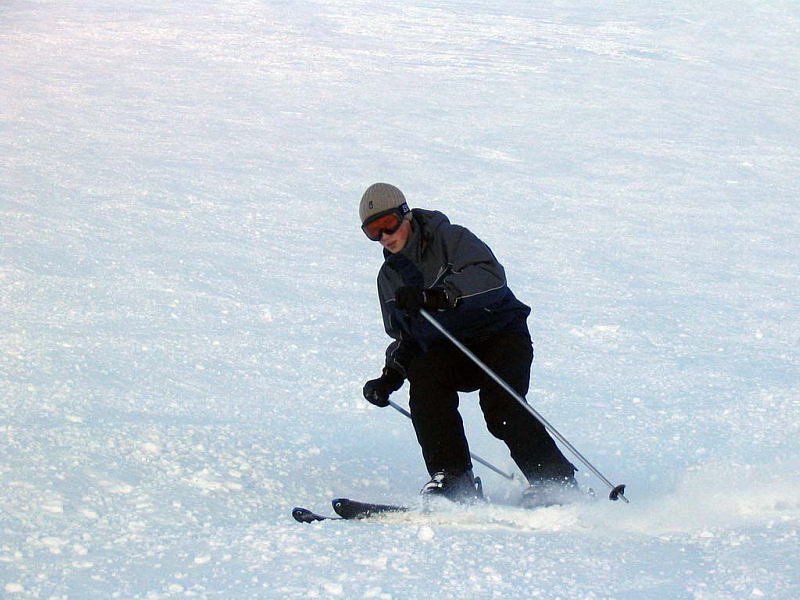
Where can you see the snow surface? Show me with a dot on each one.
(189, 312)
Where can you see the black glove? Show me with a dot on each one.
(411, 299)
(377, 391)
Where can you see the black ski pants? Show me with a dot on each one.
(436, 377)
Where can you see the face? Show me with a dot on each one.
(396, 241)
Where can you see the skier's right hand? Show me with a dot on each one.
(377, 391)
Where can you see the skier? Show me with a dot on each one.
(444, 268)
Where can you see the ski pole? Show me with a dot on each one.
(475, 457)
(617, 491)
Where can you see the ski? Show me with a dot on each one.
(303, 515)
(346, 510)
(353, 509)
(349, 510)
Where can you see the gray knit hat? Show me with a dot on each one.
(378, 198)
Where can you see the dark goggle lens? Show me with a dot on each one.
(376, 227)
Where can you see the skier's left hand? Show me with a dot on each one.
(377, 391)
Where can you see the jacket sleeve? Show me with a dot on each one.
(401, 351)
(399, 355)
(474, 275)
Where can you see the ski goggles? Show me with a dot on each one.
(388, 221)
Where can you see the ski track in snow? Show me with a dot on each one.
(188, 307)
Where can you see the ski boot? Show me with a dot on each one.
(462, 487)
(550, 492)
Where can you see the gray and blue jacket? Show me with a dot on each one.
(441, 254)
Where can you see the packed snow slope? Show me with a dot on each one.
(188, 306)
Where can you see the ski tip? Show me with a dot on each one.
(339, 504)
(349, 509)
(303, 515)
(353, 509)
